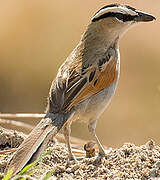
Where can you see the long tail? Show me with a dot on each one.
(48, 126)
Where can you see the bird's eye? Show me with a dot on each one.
(120, 16)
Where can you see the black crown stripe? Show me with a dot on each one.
(120, 16)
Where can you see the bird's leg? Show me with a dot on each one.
(67, 131)
(91, 128)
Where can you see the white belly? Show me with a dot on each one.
(93, 107)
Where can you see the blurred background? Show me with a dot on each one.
(37, 36)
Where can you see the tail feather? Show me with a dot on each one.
(50, 125)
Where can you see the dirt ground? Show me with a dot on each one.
(128, 162)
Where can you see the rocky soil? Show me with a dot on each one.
(128, 162)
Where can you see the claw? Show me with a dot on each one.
(71, 161)
(98, 160)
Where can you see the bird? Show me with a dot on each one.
(85, 83)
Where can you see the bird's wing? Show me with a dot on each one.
(78, 85)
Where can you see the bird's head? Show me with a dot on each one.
(116, 18)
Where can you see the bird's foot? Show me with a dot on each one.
(71, 161)
(99, 158)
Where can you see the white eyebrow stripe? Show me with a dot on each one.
(123, 10)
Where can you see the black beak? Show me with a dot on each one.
(144, 17)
